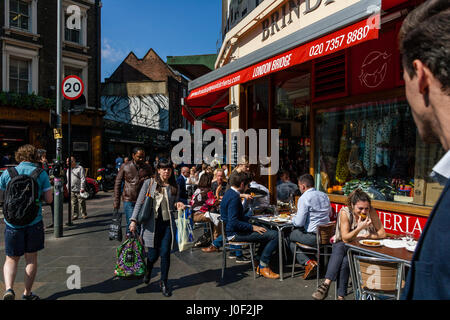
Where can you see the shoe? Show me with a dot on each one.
(74, 218)
(165, 289)
(232, 255)
(310, 270)
(321, 292)
(9, 295)
(243, 259)
(340, 298)
(211, 248)
(85, 217)
(148, 274)
(32, 296)
(50, 226)
(267, 273)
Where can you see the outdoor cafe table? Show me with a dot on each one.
(355, 248)
(280, 226)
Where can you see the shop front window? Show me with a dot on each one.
(292, 107)
(375, 147)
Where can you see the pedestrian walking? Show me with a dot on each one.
(158, 231)
(78, 187)
(24, 232)
(42, 156)
(425, 46)
(132, 174)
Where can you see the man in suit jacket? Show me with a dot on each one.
(181, 181)
(425, 44)
(239, 229)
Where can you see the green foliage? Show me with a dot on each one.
(26, 101)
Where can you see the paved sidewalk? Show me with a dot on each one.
(193, 275)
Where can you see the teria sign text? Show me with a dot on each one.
(395, 223)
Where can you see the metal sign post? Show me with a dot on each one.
(72, 90)
(58, 185)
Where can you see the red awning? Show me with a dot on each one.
(206, 102)
(209, 109)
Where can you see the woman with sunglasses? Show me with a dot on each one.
(158, 232)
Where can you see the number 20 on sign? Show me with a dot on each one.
(72, 87)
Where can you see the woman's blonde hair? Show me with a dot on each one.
(215, 174)
(27, 153)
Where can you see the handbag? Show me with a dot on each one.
(185, 234)
(115, 228)
(145, 212)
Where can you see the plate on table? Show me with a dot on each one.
(371, 243)
(256, 196)
(280, 220)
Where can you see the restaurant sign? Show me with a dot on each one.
(345, 38)
(394, 223)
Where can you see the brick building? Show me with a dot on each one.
(28, 56)
(142, 105)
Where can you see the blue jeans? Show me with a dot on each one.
(338, 268)
(268, 243)
(308, 238)
(218, 244)
(128, 208)
(161, 247)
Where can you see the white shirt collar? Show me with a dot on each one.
(310, 189)
(236, 190)
(441, 171)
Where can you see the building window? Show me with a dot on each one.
(19, 14)
(19, 76)
(374, 146)
(72, 35)
(70, 71)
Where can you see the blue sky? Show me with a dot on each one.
(171, 28)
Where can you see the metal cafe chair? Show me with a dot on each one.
(231, 246)
(324, 234)
(378, 278)
(204, 225)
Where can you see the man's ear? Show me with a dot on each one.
(424, 80)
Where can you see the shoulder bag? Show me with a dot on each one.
(146, 209)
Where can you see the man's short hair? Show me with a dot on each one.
(425, 35)
(137, 149)
(238, 178)
(307, 180)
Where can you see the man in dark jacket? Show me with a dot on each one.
(240, 230)
(133, 174)
(425, 45)
(181, 181)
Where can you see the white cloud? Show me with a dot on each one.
(111, 54)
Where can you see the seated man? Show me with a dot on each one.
(313, 209)
(238, 229)
(285, 188)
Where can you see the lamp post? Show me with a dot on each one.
(58, 185)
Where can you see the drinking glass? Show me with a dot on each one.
(410, 240)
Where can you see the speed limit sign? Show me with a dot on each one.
(72, 87)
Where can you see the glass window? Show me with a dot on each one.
(375, 146)
(69, 71)
(72, 35)
(19, 76)
(19, 14)
(292, 107)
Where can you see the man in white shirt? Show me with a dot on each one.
(314, 209)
